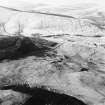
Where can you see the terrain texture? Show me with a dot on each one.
(60, 50)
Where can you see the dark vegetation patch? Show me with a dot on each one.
(41, 96)
(84, 69)
(20, 47)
